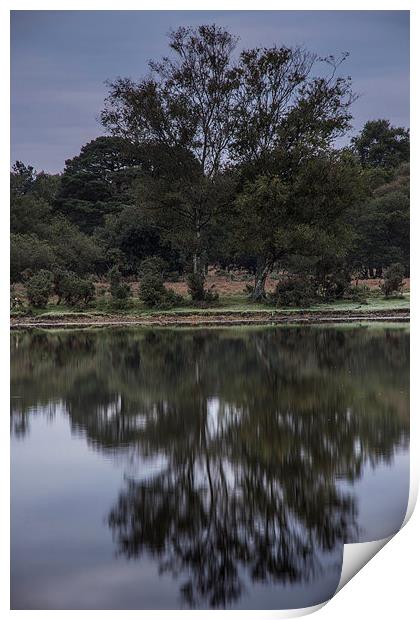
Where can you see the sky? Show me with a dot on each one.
(60, 61)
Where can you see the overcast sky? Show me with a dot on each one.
(61, 59)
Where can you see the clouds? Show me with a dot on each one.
(61, 59)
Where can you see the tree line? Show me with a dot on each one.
(226, 159)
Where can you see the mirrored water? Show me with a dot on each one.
(210, 468)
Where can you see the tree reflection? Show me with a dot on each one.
(257, 428)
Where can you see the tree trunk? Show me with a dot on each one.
(258, 294)
(197, 267)
(196, 263)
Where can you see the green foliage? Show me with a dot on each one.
(393, 280)
(22, 178)
(152, 291)
(72, 289)
(120, 291)
(25, 181)
(29, 215)
(39, 288)
(382, 225)
(28, 252)
(358, 293)
(208, 107)
(299, 221)
(379, 144)
(97, 182)
(74, 250)
(197, 290)
(135, 237)
(334, 284)
(152, 265)
(294, 291)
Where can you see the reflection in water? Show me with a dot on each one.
(255, 430)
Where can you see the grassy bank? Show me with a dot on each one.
(234, 309)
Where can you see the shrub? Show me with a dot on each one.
(72, 289)
(120, 291)
(195, 283)
(39, 288)
(152, 291)
(29, 253)
(297, 291)
(358, 293)
(393, 280)
(335, 285)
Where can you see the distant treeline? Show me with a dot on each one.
(217, 159)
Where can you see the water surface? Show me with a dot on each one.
(202, 468)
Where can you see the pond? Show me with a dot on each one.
(207, 468)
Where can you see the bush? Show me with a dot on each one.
(152, 291)
(195, 283)
(298, 291)
(358, 293)
(72, 289)
(28, 253)
(393, 280)
(151, 265)
(120, 292)
(335, 285)
(39, 288)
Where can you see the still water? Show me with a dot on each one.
(216, 468)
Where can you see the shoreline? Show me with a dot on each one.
(212, 319)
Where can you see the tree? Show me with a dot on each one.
(382, 226)
(25, 180)
(283, 108)
(72, 289)
(136, 236)
(261, 214)
(98, 181)
(297, 225)
(186, 105)
(29, 215)
(393, 280)
(152, 291)
(187, 100)
(120, 291)
(28, 253)
(74, 250)
(223, 112)
(22, 178)
(380, 144)
(184, 210)
(39, 288)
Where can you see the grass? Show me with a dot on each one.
(237, 303)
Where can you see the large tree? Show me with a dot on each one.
(225, 111)
(187, 100)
